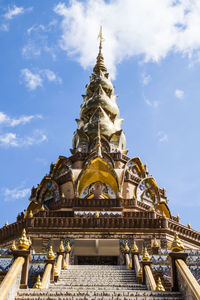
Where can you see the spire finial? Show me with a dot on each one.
(100, 37)
(100, 61)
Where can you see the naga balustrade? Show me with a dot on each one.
(182, 278)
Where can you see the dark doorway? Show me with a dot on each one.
(97, 260)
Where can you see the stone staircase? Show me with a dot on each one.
(81, 282)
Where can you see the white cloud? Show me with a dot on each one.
(162, 137)
(153, 104)
(35, 80)
(16, 193)
(39, 41)
(15, 11)
(11, 139)
(12, 122)
(146, 78)
(149, 29)
(51, 76)
(179, 94)
(32, 80)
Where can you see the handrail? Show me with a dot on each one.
(188, 277)
(150, 281)
(46, 276)
(136, 264)
(59, 263)
(10, 277)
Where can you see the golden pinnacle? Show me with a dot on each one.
(42, 208)
(145, 256)
(6, 224)
(155, 243)
(50, 254)
(126, 247)
(55, 271)
(63, 195)
(68, 248)
(13, 246)
(24, 242)
(30, 215)
(177, 245)
(38, 284)
(178, 218)
(159, 286)
(97, 214)
(61, 248)
(134, 247)
(189, 225)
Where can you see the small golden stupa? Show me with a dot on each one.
(24, 242)
(134, 247)
(13, 246)
(61, 247)
(30, 215)
(155, 243)
(38, 284)
(126, 247)
(145, 256)
(97, 214)
(42, 208)
(51, 254)
(68, 248)
(177, 245)
(6, 224)
(159, 286)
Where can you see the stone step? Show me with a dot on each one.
(96, 295)
(96, 283)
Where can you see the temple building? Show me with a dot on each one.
(98, 226)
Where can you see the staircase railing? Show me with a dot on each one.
(11, 282)
(182, 278)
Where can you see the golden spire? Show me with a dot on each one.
(177, 245)
(100, 60)
(97, 214)
(178, 218)
(13, 246)
(6, 224)
(134, 247)
(100, 37)
(61, 248)
(126, 247)
(30, 215)
(145, 256)
(159, 286)
(155, 243)
(38, 284)
(50, 254)
(68, 248)
(42, 208)
(24, 242)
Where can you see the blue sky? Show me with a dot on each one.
(152, 50)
